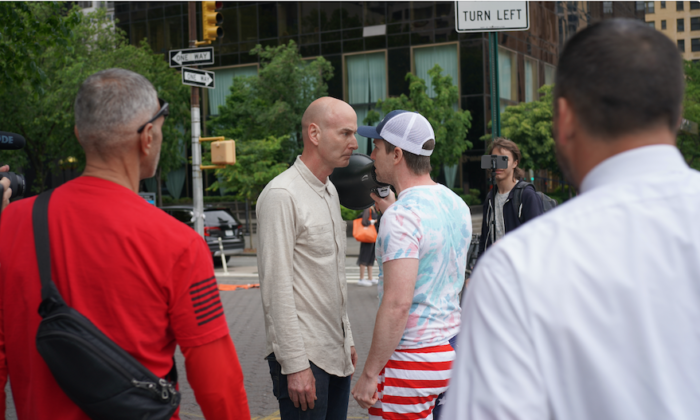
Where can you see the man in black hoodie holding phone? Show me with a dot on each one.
(508, 213)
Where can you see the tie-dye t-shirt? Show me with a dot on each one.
(432, 224)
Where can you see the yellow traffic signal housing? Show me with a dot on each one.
(223, 152)
(212, 20)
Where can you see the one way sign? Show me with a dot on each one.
(199, 78)
(191, 57)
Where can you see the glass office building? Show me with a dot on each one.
(372, 45)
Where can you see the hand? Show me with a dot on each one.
(383, 203)
(302, 389)
(365, 391)
(353, 356)
(5, 183)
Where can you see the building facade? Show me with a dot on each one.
(680, 21)
(372, 45)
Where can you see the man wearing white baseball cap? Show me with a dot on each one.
(421, 249)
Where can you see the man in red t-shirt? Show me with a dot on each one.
(143, 278)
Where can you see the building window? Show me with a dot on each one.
(640, 5)
(549, 71)
(680, 25)
(85, 4)
(223, 80)
(426, 58)
(695, 44)
(531, 80)
(649, 6)
(366, 84)
(662, 4)
(607, 7)
(679, 6)
(663, 24)
(507, 77)
(651, 24)
(695, 24)
(681, 45)
(694, 5)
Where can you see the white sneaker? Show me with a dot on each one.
(375, 282)
(364, 283)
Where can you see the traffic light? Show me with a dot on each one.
(212, 20)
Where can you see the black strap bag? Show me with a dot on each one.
(100, 377)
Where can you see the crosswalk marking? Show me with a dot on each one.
(352, 274)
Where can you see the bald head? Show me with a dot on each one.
(322, 112)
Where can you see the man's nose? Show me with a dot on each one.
(371, 155)
(353, 144)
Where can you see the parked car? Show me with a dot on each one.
(218, 223)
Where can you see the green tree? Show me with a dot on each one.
(273, 102)
(46, 120)
(529, 124)
(25, 32)
(263, 114)
(688, 143)
(257, 163)
(450, 125)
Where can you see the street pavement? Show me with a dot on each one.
(244, 315)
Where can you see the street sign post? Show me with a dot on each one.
(198, 78)
(191, 57)
(492, 17)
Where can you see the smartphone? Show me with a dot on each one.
(487, 162)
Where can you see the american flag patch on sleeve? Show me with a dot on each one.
(206, 301)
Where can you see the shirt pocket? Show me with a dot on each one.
(319, 240)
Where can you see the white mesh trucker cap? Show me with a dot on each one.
(406, 130)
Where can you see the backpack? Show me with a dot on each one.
(548, 202)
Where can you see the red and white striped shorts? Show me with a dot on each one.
(411, 381)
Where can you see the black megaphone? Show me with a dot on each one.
(356, 181)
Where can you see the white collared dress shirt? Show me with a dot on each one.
(592, 311)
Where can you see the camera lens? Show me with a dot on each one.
(16, 183)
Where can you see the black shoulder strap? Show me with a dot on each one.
(50, 297)
(518, 198)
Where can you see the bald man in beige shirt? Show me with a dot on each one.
(301, 261)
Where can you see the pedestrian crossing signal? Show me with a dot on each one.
(212, 20)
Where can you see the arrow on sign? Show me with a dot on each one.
(199, 78)
(191, 57)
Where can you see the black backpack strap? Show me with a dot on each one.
(518, 198)
(50, 297)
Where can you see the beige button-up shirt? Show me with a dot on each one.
(301, 264)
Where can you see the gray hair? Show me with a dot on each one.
(110, 100)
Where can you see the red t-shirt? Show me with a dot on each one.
(142, 277)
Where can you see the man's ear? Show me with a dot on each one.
(314, 133)
(75, 130)
(564, 122)
(146, 140)
(398, 155)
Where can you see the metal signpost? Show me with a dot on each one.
(198, 78)
(191, 57)
(492, 17)
(211, 30)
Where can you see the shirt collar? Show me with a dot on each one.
(310, 178)
(633, 164)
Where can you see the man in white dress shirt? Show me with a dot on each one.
(593, 310)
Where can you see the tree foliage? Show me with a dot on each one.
(257, 163)
(529, 124)
(450, 125)
(273, 102)
(263, 114)
(46, 120)
(689, 144)
(25, 32)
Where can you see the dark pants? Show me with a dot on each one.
(332, 393)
